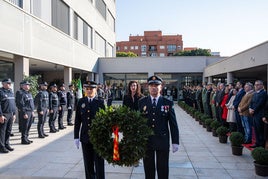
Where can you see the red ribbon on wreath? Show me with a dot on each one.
(116, 144)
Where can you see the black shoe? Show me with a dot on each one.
(70, 124)
(9, 148)
(30, 141)
(41, 136)
(52, 131)
(45, 135)
(12, 134)
(62, 127)
(4, 150)
(25, 142)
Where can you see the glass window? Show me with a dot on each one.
(136, 47)
(109, 50)
(111, 21)
(171, 48)
(161, 47)
(101, 7)
(131, 47)
(18, 3)
(143, 48)
(60, 16)
(161, 54)
(100, 44)
(125, 47)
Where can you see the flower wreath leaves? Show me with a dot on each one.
(133, 127)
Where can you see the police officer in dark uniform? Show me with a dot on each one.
(85, 112)
(62, 102)
(26, 106)
(17, 101)
(161, 118)
(70, 104)
(41, 100)
(7, 115)
(53, 107)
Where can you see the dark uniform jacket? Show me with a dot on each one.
(53, 100)
(26, 102)
(85, 112)
(41, 100)
(70, 99)
(160, 121)
(7, 101)
(62, 97)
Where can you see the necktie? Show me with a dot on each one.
(154, 102)
(89, 100)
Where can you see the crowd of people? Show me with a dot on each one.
(241, 107)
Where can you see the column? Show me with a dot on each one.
(67, 75)
(21, 69)
(230, 77)
(210, 79)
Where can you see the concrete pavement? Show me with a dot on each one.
(200, 155)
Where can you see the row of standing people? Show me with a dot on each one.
(50, 104)
(238, 107)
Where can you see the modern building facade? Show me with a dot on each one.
(57, 39)
(151, 44)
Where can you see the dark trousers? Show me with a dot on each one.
(91, 159)
(5, 130)
(60, 117)
(52, 119)
(41, 122)
(26, 126)
(239, 123)
(259, 130)
(162, 158)
(69, 115)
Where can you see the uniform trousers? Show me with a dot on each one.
(41, 122)
(5, 130)
(26, 126)
(258, 125)
(52, 119)
(60, 117)
(69, 115)
(91, 159)
(162, 167)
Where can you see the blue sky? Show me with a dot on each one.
(225, 26)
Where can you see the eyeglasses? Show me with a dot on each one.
(89, 88)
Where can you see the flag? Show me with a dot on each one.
(79, 92)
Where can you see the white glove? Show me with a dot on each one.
(77, 143)
(175, 147)
(69, 107)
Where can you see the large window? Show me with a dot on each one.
(7, 70)
(101, 7)
(60, 16)
(171, 48)
(100, 44)
(111, 21)
(17, 2)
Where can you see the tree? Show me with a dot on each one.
(197, 52)
(125, 54)
(33, 79)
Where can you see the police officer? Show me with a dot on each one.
(17, 101)
(26, 106)
(70, 104)
(41, 100)
(161, 118)
(62, 102)
(7, 115)
(53, 107)
(85, 112)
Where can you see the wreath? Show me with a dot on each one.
(117, 122)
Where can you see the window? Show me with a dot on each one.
(109, 50)
(111, 21)
(143, 48)
(60, 16)
(136, 47)
(161, 54)
(100, 44)
(125, 47)
(161, 47)
(131, 47)
(171, 48)
(18, 3)
(101, 7)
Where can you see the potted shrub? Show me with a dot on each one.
(237, 140)
(214, 126)
(222, 133)
(260, 155)
(208, 122)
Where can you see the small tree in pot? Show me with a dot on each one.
(214, 126)
(237, 140)
(260, 155)
(208, 122)
(222, 133)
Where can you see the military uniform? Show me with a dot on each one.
(161, 118)
(41, 100)
(62, 102)
(85, 112)
(17, 101)
(26, 106)
(53, 109)
(70, 105)
(7, 110)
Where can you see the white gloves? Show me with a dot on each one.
(77, 143)
(175, 147)
(69, 107)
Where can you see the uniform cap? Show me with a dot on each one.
(53, 85)
(154, 80)
(90, 84)
(25, 82)
(43, 83)
(62, 85)
(8, 80)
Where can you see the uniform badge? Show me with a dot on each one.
(144, 108)
(162, 108)
(83, 105)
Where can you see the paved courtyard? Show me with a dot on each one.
(200, 155)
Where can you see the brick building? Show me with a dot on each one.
(152, 43)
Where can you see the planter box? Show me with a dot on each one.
(261, 170)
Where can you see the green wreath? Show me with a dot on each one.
(131, 125)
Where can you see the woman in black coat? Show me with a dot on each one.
(133, 95)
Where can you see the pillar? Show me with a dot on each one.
(210, 79)
(67, 75)
(230, 77)
(21, 65)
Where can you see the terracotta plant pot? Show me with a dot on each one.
(261, 170)
(237, 150)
